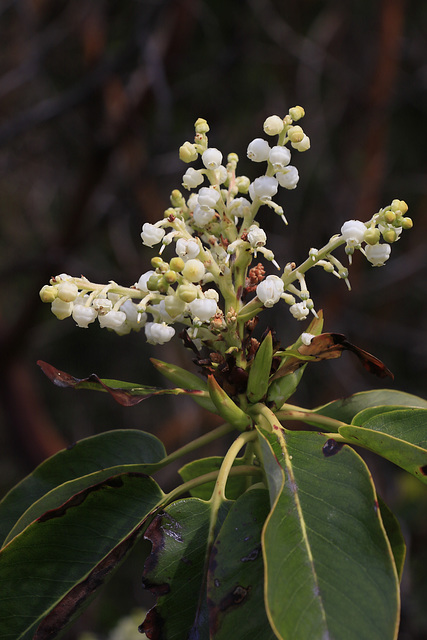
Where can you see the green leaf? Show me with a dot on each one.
(187, 380)
(50, 570)
(236, 573)
(236, 485)
(329, 569)
(399, 436)
(394, 534)
(346, 408)
(282, 388)
(95, 454)
(259, 373)
(175, 571)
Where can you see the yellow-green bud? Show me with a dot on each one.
(295, 134)
(67, 291)
(390, 235)
(174, 306)
(170, 277)
(399, 205)
(48, 293)
(170, 211)
(389, 216)
(372, 236)
(407, 223)
(188, 152)
(176, 264)
(187, 292)
(153, 282)
(243, 183)
(233, 157)
(177, 199)
(296, 113)
(201, 126)
(158, 263)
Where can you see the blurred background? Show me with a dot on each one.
(96, 97)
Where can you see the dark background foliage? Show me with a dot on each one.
(97, 96)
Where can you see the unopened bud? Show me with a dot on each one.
(372, 236)
(187, 292)
(389, 217)
(170, 276)
(407, 223)
(67, 291)
(390, 235)
(48, 293)
(295, 134)
(188, 152)
(176, 264)
(201, 126)
(296, 113)
(177, 199)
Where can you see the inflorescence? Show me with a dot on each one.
(216, 237)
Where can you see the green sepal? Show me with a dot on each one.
(185, 379)
(259, 372)
(226, 407)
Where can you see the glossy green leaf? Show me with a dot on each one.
(183, 378)
(175, 571)
(282, 388)
(236, 485)
(399, 436)
(330, 571)
(346, 408)
(395, 536)
(95, 454)
(236, 572)
(54, 566)
(259, 373)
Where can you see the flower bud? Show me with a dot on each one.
(407, 223)
(390, 235)
(372, 236)
(243, 183)
(302, 145)
(295, 134)
(174, 306)
(154, 282)
(273, 125)
(258, 150)
(67, 291)
(187, 292)
(212, 158)
(194, 270)
(201, 126)
(48, 293)
(61, 309)
(170, 276)
(233, 158)
(177, 199)
(389, 217)
(177, 264)
(143, 280)
(296, 113)
(188, 152)
(158, 263)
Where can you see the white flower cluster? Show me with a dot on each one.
(215, 237)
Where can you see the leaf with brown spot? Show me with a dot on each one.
(51, 569)
(327, 346)
(125, 393)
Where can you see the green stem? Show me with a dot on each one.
(182, 489)
(321, 422)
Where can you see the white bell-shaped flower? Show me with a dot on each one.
(263, 187)
(202, 216)
(203, 308)
(158, 332)
(187, 249)
(102, 305)
(83, 316)
(299, 310)
(258, 150)
(61, 309)
(208, 197)
(302, 145)
(288, 178)
(212, 158)
(353, 232)
(192, 178)
(378, 254)
(256, 236)
(270, 290)
(67, 291)
(279, 157)
(151, 234)
(112, 319)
